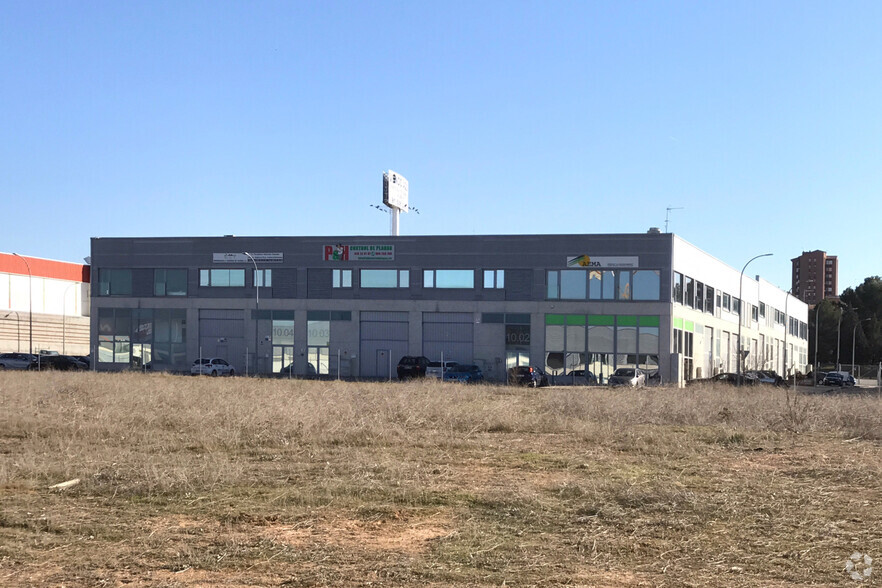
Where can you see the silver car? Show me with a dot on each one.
(18, 361)
(212, 366)
(633, 377)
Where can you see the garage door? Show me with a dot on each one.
(450, 334)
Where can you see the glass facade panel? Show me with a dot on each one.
(601, 338)
(595, 284)
(454, 278)
(404, 278)
(115, 282)
(262, 278)
(553, 287)
(646, 285)
(283, 332)
(677, 291)
(624, 292)
(379, 278)
(575, 338)
(428, 278)
(627, 339)
(573, 285)
(609, 285)
(648, 340)
(170, 282)
(318, 333)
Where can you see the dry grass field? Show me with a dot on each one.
(198, 482)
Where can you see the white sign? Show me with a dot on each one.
(606, 262)
(395, 190)
(242, 258)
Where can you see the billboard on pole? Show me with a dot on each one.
(395, 190)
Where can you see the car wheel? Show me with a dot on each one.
(534, 383)
(214, 373)
(232, 373)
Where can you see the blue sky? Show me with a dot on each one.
(759, 121)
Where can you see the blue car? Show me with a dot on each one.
(467, 374)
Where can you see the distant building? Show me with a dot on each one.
(815, 276)
(44, 305)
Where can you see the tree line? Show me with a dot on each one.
(855, 317)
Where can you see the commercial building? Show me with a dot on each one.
(815, 276)
(44, 305)
(353, 306)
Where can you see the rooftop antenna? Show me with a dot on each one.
(668, 214)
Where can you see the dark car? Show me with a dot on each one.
(61, 362)
(527, 375)
(582, 377)
(838, 379)
(726, 378)
(412, 366)
(18, 361)
(465, 373)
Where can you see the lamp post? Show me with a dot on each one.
(256, 313)
(30, 305)
(786, 330)
(853, 333)
(817, 328)
(740, 305)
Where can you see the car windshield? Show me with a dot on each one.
(624, 372)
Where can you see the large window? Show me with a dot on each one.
(263, 278)
(170, 282)
(115, 282)
(341, 278)
(494, 279)
(448, 278)
(222, 278)
(677, 291)
(385, 278)
(114, 335)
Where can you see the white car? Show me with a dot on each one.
(633, 377)
(212, 366)
(435, 369)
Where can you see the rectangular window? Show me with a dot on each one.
(677, 292)
(553, 284)
(342, 278)
(689, 292)
(727, 302)
(114, 335)
(448, 278)
(573, 285)
(646, 285)
(170, 282)
(222, 278)
(624, 292)
(115, 282)
(494, 279)
(709, 300)
(384, 278)
(263, 278)
(754, 311)
(699, 295)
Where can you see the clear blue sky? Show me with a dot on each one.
(760, 119)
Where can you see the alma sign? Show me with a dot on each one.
(598, 262)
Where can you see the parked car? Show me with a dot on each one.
(436, 370)
(18, 361)
(60, 362)
(726, 378)
(465, 373)
(288, 370)
(582, 377)
(633, 377)
(527, 375)
(838, 379)
(412, 366)
(212, 366)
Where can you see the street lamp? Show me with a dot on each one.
(740, 305)
(817, 328)
(853, 332)
(30, 305)
(256, 315)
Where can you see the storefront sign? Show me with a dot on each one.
(242, 258)
(342, 252)
(599, 262)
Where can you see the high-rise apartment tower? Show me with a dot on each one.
(815, 276)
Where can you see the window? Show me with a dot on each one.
(342, 278)
(222, 278)
(114, 332)
(115, 282)
(553, 284)
(645, 285)
(385, 278)
(677, 292)
(689, 292)
(727, 302)
(573, 285)
(262, 278)
(448, 278)
(170, 282)
(754, 312)
(699, 295)
(494, 279)
(709, 300)
(762, 309)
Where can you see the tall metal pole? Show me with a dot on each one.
(817, 328)
(786, 329)
(740, 305)
(256, 315)
(30, 305)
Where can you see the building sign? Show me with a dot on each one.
(242, 258)
(598, 262)
(517, 335)
(342, 252)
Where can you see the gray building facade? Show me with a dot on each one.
(352, 306)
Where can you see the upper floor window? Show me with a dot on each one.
(448, 278)
(727, 302)
(677, 291)
(709, 300)
(341, 278)
(263, 278)
(222, 278)
(384, 278)
(494, 279)
(170, 282)
(114, 282)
